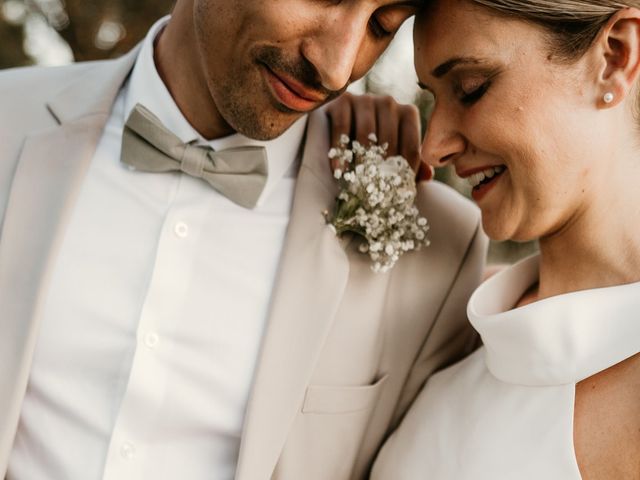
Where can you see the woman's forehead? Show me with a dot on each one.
(459, 28)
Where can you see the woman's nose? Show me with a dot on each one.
(442, 141)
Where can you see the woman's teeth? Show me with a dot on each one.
(479, 177)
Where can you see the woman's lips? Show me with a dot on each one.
(292, 94)
(479, 192)
(483, 180)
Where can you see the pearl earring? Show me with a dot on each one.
(608, 97)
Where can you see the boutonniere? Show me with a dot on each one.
(377, 202)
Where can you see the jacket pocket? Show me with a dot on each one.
(325, 399)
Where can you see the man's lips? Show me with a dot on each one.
(291, 93)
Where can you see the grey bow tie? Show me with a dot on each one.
(240, 173)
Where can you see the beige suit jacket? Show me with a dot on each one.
(345, 352)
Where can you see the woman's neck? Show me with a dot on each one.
(600, 246)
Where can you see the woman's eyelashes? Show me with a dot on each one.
(470, 92)
(463, 87)
(470, 86)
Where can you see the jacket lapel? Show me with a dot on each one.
(48, 177)
(313, 276)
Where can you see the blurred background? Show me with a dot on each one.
(57, 32)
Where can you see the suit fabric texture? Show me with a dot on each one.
(345, 350)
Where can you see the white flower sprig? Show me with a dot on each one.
(377, 201)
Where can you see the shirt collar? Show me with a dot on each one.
(558, 340)
(147, 88)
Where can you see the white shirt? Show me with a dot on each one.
(506, 412)
(153, 323)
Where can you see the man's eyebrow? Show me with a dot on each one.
(444, 68)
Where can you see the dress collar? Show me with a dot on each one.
(146, 87)
(558, 340)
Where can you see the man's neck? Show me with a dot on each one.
(179, 70)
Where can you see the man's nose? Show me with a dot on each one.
(335, 47)
(442, 141)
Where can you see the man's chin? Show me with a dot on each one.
(266, 128)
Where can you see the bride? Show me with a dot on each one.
(537, 107)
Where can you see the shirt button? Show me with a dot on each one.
(128, 450)
(151, 340)
(181, 229)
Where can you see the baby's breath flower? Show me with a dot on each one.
(376, 201)
(348, 156)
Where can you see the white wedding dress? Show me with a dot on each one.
(506, 411)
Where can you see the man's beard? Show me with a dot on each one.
(253, 119)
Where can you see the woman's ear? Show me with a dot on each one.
(619, 49)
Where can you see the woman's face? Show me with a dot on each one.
(522, 128)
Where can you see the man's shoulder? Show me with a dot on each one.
(36, 73)
(457, 242)
(26, 92)
(38, 82)
(454, 220)
(456, 251)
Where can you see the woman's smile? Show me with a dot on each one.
(482, 180)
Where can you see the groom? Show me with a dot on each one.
(154, 327)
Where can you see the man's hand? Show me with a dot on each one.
(398, 125)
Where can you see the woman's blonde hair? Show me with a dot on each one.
(573, 24)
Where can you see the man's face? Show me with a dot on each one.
(266, 63)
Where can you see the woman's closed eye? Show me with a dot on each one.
(469, 92)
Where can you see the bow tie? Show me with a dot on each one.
(240, 173)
